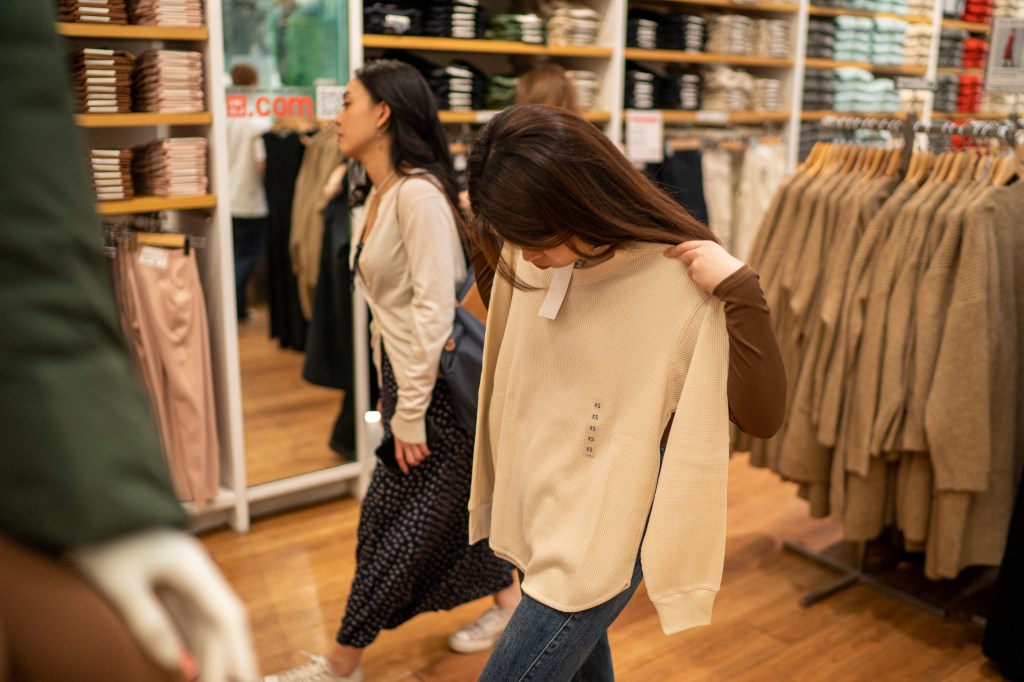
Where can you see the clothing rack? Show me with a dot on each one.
(862, 572)
(144, 229)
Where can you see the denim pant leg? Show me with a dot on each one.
(249, 235)
(542, 643)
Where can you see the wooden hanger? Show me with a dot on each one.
(812, 156)
(926, 160)
(894, 164)
(167, 240)
(681, 144)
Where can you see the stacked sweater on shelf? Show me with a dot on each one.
(519, 28)
(1009, 9)
(460, 86)
(975, 53)
(103, 80)
(917, 50)
(887, 42)
(172, 167)
(766, 95)
(857, 90)
(453, 19)
(772, 39)
(731, 34)
(642, 87)
(111, 172)
(727, 89)
(501, 92)
(900, 331)
(587, 88)
(969, 97)
(853, 39)
(382, 18)
(951, 48)
(899, 7)
(979, 11)
(574, 26)
(184, 13)
(642, 28)
(684, 32)
(819, 90)
(920, 8)
(94, 11)
(821, 39)
(169, 81)
(680, 89)
(946, 92)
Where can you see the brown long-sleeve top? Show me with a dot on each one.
(757, 378)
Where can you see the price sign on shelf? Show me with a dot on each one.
(645, 136)
(1005, 68)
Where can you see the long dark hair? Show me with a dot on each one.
(417, 138)
(541, 176)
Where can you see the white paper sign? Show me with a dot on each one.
(328, 101)
(1005, 69)
(645, 136)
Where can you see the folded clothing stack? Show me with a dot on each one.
(947, 89)
(727, 89)
(772, 39)
(887, 42)
(951, 48)
(520, 28)
(766, 95)
(920, 8)
(94, 11)
(172, 167)
(969, 98)
(819, 90)
(975, 53)
(684, 32)
(681, 90)
(821, 39)
(460, 86)
(899, 7)
(103, 80)
(390, 19)
(979, 11)
(574, 26)
(501, 92)
(169, 81)
(587, 88)
(453, 19)
(1009, 9)
(953, 9)
(642, 87)
(853, 39)
(184, 13)
(642, 29)
(111, 171)
(810, 135)
(731, 34)
(858, 91)
(997, 103)
(917, 50)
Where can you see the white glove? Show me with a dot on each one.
(166, 587)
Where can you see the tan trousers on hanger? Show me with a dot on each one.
(164, 317)
(55, 626)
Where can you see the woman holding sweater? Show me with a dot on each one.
(599, 348)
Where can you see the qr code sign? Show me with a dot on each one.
(328, 101)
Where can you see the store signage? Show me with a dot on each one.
(1005, 69)
(328, 101)
(645, 135)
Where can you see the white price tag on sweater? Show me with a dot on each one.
(556, 292)
(154, 257)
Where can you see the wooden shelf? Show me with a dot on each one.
(142, 120)
(481, 46)
(151, 204)
(765, 7)
(841, 12)
(953, 71)
(969, 116)
(724, 117)
(818, 115)
(680, 57)
(966, 25)
(131, 32)
(452, 117)
(813, 63)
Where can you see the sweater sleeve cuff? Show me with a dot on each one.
(409, 430)
(741, 286)
(479, 523)
(684, 610)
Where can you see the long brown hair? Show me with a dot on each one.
(546, 83)
(541, 176)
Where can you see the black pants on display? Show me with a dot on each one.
(250, 235)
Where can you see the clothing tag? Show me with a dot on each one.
(154, 257)
(556, 292)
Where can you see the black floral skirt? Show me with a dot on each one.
(413, 554)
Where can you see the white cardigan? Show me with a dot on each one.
(409, 269)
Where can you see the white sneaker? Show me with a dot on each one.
(482, 633)
(317, 670)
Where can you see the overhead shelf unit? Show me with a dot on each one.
(680, 57)
(816, 11)
(880, 69)
(202, 215)
(968, 26)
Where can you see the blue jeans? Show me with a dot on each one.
(544, 644)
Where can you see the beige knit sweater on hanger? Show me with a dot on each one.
(571, 413)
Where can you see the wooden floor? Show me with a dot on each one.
(293, 572)
(287, 420)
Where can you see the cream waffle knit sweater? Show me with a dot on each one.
(566, 469)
